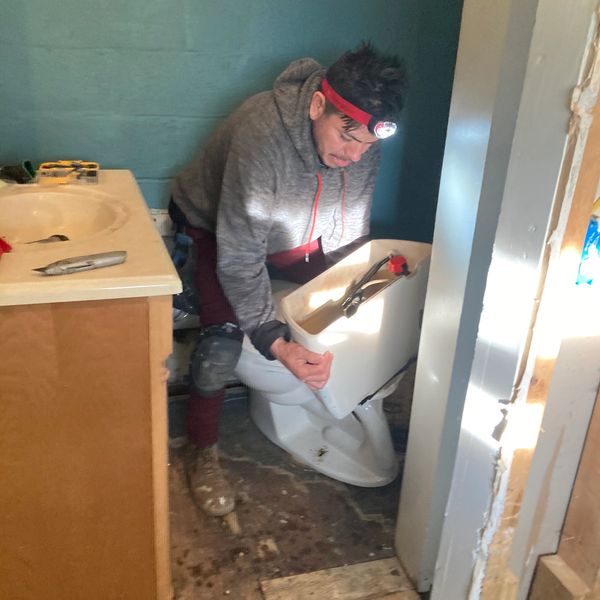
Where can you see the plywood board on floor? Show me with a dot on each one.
(375, 579)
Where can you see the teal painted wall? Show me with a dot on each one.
(140, 84)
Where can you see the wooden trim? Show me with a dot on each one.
(161, 345)
(580, 539)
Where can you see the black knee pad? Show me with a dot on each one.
(215, 357)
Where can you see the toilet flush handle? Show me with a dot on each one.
(398, 265)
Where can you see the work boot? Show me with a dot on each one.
(207, 483)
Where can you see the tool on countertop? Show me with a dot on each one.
(57, 237)
(84, 263)
(65, 171)
(397, 264)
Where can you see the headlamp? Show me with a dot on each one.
(380, 129)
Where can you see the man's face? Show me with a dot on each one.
(336, 146)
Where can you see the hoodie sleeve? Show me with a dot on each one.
(243, 224)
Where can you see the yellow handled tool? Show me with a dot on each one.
(64, 171)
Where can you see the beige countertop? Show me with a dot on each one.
(100, 217)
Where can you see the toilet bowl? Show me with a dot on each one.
(341, 430)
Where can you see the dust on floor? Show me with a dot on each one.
(289, 519)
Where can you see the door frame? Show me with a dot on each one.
(504, 201)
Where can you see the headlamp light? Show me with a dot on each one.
(384, 129)
(380, 129)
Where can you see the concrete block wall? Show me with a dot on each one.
(139, 85)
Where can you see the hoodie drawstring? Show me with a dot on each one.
(343, 175)
(314, 214)
(316, 205)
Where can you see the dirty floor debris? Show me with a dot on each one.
(290, 521)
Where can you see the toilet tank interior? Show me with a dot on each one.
(374, 344)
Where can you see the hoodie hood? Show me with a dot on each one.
(293, 90)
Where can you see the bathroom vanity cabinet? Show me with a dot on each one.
(83, 450)
(83, 431)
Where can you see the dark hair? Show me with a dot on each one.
(372, 81)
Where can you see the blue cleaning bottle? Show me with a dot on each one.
(589, 267)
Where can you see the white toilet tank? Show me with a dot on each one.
(380, 338)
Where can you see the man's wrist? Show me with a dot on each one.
(266, 334)
(277, 347)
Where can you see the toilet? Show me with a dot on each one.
(341, 430)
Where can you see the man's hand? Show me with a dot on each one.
(310, 367)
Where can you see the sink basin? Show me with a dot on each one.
(30, 214)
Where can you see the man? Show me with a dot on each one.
(284, 184)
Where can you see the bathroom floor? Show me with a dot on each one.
(295, 533)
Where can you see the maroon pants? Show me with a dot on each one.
(203, 412)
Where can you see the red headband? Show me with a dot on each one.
(380, 129)
(360, 116)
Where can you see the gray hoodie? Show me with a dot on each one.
(255, 185)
